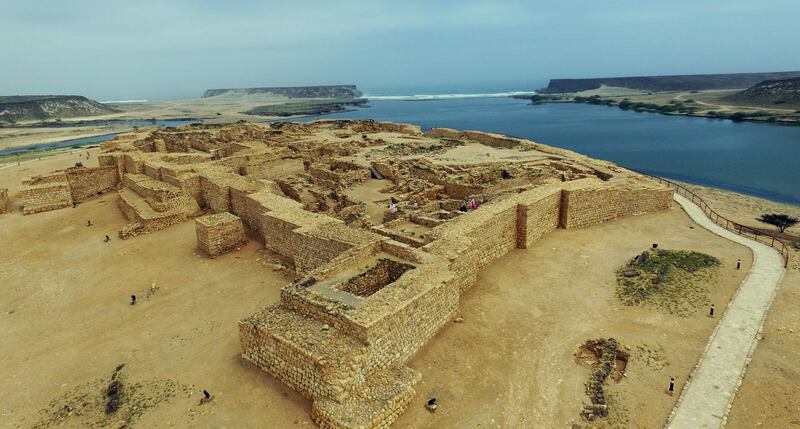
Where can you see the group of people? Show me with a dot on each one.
(472, 205)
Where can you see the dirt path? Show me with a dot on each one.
(704, 403)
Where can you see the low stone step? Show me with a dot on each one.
(376, 404)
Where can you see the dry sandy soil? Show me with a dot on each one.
(67, 324)
(770, 394)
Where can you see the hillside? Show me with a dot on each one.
(667, 83)
(39, 107)
(320, 91)
(775, 93)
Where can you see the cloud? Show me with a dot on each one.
(149, 48)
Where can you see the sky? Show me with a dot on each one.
(117, 50)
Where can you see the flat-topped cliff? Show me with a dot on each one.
(39, 107)
(694, 82)
(319, 91)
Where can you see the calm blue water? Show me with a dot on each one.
(756, 159)
(85, 141)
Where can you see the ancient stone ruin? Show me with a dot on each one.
(219, 233)
(378, 221)
(3, 200)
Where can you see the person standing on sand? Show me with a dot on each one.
(473, 204)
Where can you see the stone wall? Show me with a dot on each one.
(582, 207)
(537, 218)
(85, 183)
(219, 233)
(43, 193)
(374, 279)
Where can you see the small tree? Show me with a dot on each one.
(781, 221)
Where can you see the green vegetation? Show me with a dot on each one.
(314, 107)
(674, 106)
(780, 221)
(674, 281)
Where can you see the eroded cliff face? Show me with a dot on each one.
(39, 107)
(320, 91)
(668, 83)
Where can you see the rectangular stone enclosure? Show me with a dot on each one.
(219, 233)
(383, 273)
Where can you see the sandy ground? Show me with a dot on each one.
(220, 109)
(67, 323)
(770, 394)
(14, 137)
(511, 364)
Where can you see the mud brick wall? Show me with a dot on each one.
(3, 200)
(219, 233)
(582, 207)
(45, 196)
(536, 219)
(85, 183)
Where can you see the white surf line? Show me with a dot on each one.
(708, 395)
(426, 97)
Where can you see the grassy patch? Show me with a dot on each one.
(673, 281)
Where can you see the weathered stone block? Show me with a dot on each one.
(219, 233)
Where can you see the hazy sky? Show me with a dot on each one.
(108, 49)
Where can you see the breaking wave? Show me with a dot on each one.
(422, 97)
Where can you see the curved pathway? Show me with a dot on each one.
(706, 398)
